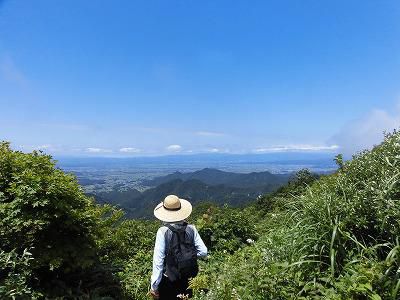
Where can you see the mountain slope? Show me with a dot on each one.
(138, 204)
(117, 197)
(208, 184)
(215, 177)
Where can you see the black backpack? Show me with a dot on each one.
(181, 253)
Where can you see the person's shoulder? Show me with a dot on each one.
(192, 227)
(162, 230)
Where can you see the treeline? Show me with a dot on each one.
(334, 237)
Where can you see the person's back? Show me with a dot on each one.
(177, 247)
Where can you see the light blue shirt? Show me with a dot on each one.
(159, 254)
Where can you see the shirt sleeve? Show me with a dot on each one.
(158, 259)
(198, 242)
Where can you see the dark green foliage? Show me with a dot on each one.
(15, 272)
(121, 239)
(339, 161)
(44, 209)
(226, 229)
(127, 246)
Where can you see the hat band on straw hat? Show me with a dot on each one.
(173, 209)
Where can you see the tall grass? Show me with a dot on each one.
(339, 239)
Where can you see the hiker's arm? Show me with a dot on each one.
(158, 260)
(200, 246)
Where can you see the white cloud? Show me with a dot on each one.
(97, 150)
(210, 133)
(292, 148)
(213, 150)
(174, 148)
(129, 150)
(367, 131)
(43, 147)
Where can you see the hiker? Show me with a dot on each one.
(177, 247)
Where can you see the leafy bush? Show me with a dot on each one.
(45, 210)
(226, 229)
(135, 277)
(14, 274)
(127, 246)
(120, 239)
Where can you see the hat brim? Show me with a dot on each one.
(165, 215)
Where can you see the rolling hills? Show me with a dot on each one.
(208, 184)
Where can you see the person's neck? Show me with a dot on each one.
(175, 223)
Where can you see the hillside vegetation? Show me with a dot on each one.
(216, 177)
(336, 237)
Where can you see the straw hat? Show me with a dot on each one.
(173, 209)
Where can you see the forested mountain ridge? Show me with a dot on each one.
(210, 185)
(336, 237)
(216, 177)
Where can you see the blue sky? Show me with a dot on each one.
(126, 78)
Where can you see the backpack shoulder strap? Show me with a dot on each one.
(181, 234)
(170, 227)
(190, 233)
(173, 229)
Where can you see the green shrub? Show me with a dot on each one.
(16, 271)
(127, 246)
(45, 210)
(135, 277)
(226, 229)
(125, 239)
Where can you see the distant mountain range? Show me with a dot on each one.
(215, 177)
(207, 184)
